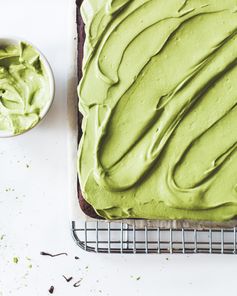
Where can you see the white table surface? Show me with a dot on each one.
(34, 202)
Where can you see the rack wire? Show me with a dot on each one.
(113, 237)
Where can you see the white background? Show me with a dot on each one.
(34, 202)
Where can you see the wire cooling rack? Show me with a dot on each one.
(113, 237)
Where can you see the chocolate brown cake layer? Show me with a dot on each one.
(86, 208)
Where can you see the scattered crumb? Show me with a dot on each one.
(136, 278)
(78, 283)
(27, 165)
(15, 260)
(68, 279)
(2, 236)
(25, 275)
(87, 267)
(166, 258)
(9, 189)
(52, 255)
(30, 265)
(76, 257)
(51, 289)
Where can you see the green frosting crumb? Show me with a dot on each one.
(15, 260)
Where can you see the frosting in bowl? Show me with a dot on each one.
(25, 93)
(159, 103)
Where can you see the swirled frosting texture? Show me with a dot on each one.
(159, 104)
(24, 88)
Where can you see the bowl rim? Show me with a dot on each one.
(12, 40)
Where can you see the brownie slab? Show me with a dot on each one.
(85, 206)
(158, 99)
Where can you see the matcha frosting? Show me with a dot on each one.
(24, 88)
(159, 103)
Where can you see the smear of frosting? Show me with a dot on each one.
(159, 104)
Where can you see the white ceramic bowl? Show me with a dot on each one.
(15, 41)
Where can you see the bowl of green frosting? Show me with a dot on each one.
(26, 87)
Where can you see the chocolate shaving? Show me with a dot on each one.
(50, 255)
(51, 289)
(77, 284)
(68, 279)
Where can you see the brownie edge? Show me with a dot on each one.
(85, 206)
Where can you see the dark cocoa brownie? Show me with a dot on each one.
(86, 208)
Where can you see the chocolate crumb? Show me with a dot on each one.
(51, 289)
(51, 255)
(138, 278)
(77, 258)
(78, 283)
(68, 279)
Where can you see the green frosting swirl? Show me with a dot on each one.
(159, 104)
(24, 88)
